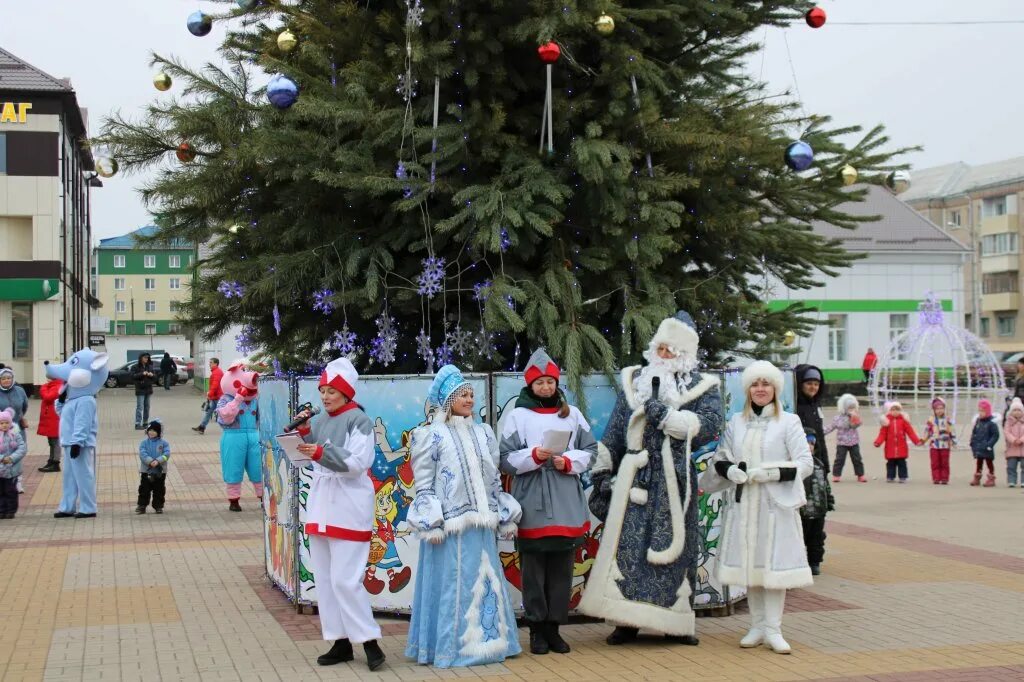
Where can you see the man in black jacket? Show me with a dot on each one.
(168, 369)
(143, 374)
(810, 389)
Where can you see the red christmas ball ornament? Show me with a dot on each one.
(815, 17)
(185, 153)
(549, 52)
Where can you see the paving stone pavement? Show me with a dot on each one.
(921, 582)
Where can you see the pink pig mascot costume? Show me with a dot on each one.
(238, 414)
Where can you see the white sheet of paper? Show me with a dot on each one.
(556, 441)
(290, 443)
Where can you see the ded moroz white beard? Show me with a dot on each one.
(673, 375)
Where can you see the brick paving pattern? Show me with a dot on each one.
(920, 582)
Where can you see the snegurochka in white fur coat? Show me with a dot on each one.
(763, 457)
(461, 613)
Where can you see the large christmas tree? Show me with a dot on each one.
(420, 185)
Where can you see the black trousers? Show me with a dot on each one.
(814, 539)
(158, 489)
(840, 461)
(8, 495)
(54, 450)
(894, 467)
(167, 382)
(547, 582)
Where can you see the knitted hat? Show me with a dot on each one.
(985, 406)
(7, 372)
(341, 375)
(155, 425)
(447, 381)
(762, 369)
(936, 402)
(1016, 404)
(540, 365)
(7, 416)
(812, 374)
(811, 436)
(678, 333)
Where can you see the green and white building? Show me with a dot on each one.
(905, 256)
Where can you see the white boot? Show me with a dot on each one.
(755, 601)
(774, 605)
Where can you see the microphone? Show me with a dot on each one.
(299, 421)
(739, 488)
(655, 387)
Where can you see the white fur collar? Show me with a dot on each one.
(706, 383)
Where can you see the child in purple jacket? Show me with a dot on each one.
(845, 424)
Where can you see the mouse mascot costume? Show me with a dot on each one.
(83, 375)
(238, 416)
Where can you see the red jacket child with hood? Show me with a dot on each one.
(895, 431)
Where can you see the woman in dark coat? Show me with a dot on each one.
(810, 389)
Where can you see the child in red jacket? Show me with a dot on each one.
(894, 434)
(49, 422)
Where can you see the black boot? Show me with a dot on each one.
(339, 653)
(374, 656)
(555, 641)
(63, 515)
(538, 642)
(50, 467)
(234, 506)
(199, 429)
(688, 640)
(621, 635)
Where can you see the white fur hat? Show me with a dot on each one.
(341, 375)
(678, 333)
(845, 401)
(762, 369)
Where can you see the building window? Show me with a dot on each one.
(119, 261)
(898, 323)
(174, 328)
(955, 219)
(1000, 282)
(993, 206)
(1006, 325)
(21, 325)
(837, 338)
(175, 282)
(121, 307)
(151, 283)
(150, 329)
(119, 284)
(150, 306)
(149, 261)
(175, 306)
(984, 327)
(121, 329)
(174, 261)
(999, 244)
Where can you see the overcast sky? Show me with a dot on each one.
(950, 88)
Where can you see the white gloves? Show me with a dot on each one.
(736, 475)
(759, 475)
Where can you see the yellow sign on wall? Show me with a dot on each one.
(14, 112)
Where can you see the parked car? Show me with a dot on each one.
(181, 363)
(1009, 364)
(122, 376)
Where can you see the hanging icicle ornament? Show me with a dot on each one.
(106, 167)
(549, 53)
(505, 242)
(433, 143)
(282, 91)
(323, 301)
(286, 41)
(482, 290)
(185, 153)
(815, 17)
(799, 156)
(344, 341)
(402, 173)
(431, 280)
(277, 320)
(383, 346)
(848, 174)
(231, 289)
(162, 82)
(636, 102)
(605, 25)
(424, 350)
(199, 24)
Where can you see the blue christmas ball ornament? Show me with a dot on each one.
(282, 91)
(199, 24)
(799, 155)
(246, 5)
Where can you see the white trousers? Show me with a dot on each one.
(766, 608)
(343, 602)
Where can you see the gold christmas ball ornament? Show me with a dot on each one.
(234, 228)
(286, 41)
(106, 167)
(848, 174)
(162, 82)
(789, 338)
(604, 25)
